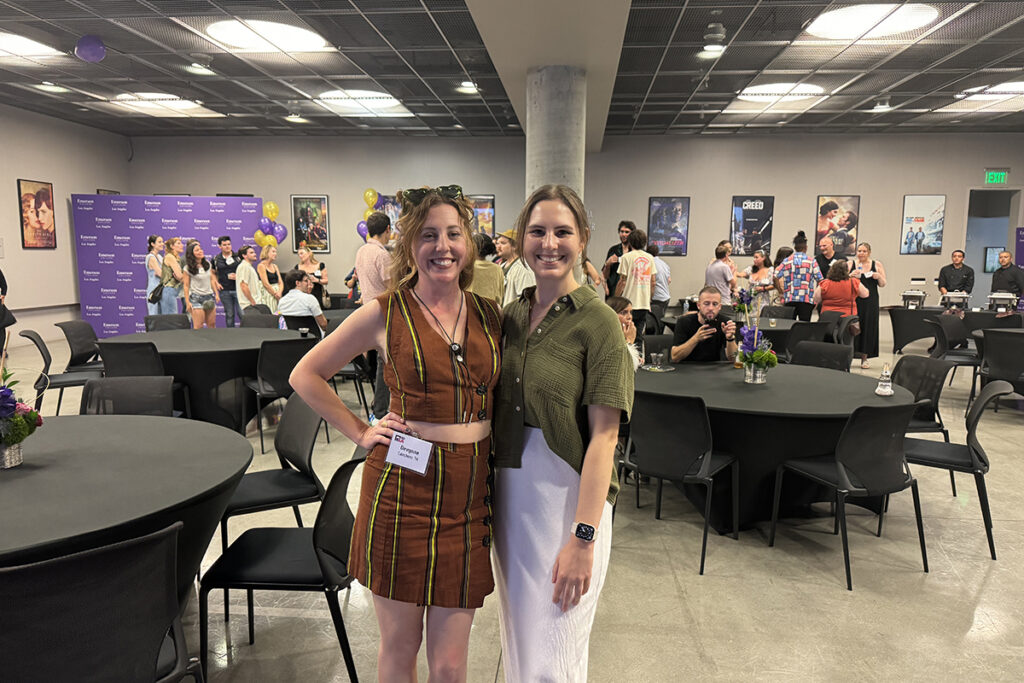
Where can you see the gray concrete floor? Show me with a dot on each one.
(761, 613)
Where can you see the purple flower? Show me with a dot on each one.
(745, 297)
(751, 339)
(8, 403)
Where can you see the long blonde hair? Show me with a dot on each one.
(404, 273)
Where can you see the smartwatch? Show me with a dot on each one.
(584, 532)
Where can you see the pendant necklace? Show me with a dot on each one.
(455, 347)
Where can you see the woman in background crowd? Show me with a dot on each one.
(624, 309)
(200, 299)
(317, 273)
(270, 278)
(488, 280)
(839, 292)
(566, 382)
(171, 275)
(780, 256)
(154, 269)
(872, 276)
(762, 280)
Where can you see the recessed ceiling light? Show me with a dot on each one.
(13, 45)
(467, 88)
(872, 21)
(882, 105)
(996, 92)
(266, 36)
(200, 69)
(459, 126)
(704, 54)
(163, 104)
(295, 118)
(362, 103)
(47, 86)
(779, 92)
(714, 39)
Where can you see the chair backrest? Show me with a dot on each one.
(652, 325)
(657, 343)
(277, 360)
(869, 453)
(332, 530)
(780, 312)
(804, 331)
(261, 308)
(253, 318)
(128, 396)
(671, 433)
(953, 326)
(923, 377)
(81, 340)
(43, 380)
(1004, 354)
(167, 321)
(832, 317)
(97, 615)
(993, 389)
(297, 322)
(941, 346)
(823, 355)
(131, 359)
(842, 331)
(296, 436)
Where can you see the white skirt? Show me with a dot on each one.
(534, 513)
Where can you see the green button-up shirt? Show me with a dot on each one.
(576, 357)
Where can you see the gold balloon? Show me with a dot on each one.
(369, 212)
(258, 237)
(370, 197)
(269, 241)
(271, 210)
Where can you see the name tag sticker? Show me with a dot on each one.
(409, 452)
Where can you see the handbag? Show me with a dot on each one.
(154, 296)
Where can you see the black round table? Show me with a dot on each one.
(778, 335)
(92, 480)
(979, 336)
(799, 412)
(213, 364)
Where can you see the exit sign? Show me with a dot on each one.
(996, 176)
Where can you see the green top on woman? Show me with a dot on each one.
(576, 357)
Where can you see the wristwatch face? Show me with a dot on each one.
(585, 532)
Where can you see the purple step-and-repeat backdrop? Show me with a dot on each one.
(111, 233)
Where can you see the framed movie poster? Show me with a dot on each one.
(992, 258)
(102, 191)
(838, 217)
(483, 212)
(310, 223)
(668, 224)
(750, 227)
(923, 217)
(391, 207)
(37, 219)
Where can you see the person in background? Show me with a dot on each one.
(660, 296)
(171, 275)
(780, 256)
(566, 383)
(872, 276)
(610, 270)
(270, 278)
(373, 266)
(762, 280)
(200, 295)
(421, 542)
(636, 278)
(720, 275)
(505, 247)
(826, 254)
(796, 277)
(728, 256)
(247, 281)
(593, 278)
(488, 280)
(352, 282)
(839, 292)
(298, 299)
(1008, 277)
(225, 264)
(518, 275)
(154, 270)
(703, 336)
(317, 273)
(624, 309)
(956, 276)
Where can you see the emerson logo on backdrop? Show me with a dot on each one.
(126, 311)
(91, 275)
(93, 311)
(124, 275)
(105, 258)
(753, 205)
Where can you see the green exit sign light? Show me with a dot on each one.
(996, 176)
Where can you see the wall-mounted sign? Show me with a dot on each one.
(996, 176)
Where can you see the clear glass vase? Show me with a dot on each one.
(753, 374)
(10, 456)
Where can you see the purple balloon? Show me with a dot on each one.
(266, 225)
(361, 229)
(90, 49)
(280, 232)
(380, 202)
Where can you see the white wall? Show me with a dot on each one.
(43, 283)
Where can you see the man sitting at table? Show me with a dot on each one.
(297, 300)
(702, 336)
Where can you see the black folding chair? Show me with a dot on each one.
(823, 355)
(868, 461)
(57, 380)
(842, 334)
(298, 322)
(167, 321)
(832, 317)
(1004, 359)
(276, 361)
(281, 558)
(804, 331)
(254, 318)
(128, 396)
(779, 312)
(139, 359)
(82, 342)
(943, 350)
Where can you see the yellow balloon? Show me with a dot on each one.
(269, 241)
(370, 197)
(258, 237)
(271, 210)
(369, 212)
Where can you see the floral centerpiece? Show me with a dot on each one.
(17, 421)
(756, 354)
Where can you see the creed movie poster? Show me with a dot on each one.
(111, 233)
(751, 226)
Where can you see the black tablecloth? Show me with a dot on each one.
(213, 363)
(92, 480)
(799, 412)
(908, 324)
(778, 335)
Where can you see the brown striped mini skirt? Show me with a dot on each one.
(425, 539)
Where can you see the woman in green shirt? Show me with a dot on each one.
(566, 382)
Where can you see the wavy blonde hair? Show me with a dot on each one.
(404, 273)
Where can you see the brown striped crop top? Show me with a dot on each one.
(426, 380)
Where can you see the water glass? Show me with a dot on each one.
(771, 322)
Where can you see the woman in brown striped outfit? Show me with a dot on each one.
(421, 543)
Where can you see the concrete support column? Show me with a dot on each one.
(556, 127)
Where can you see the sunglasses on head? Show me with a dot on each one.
(416, 196)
